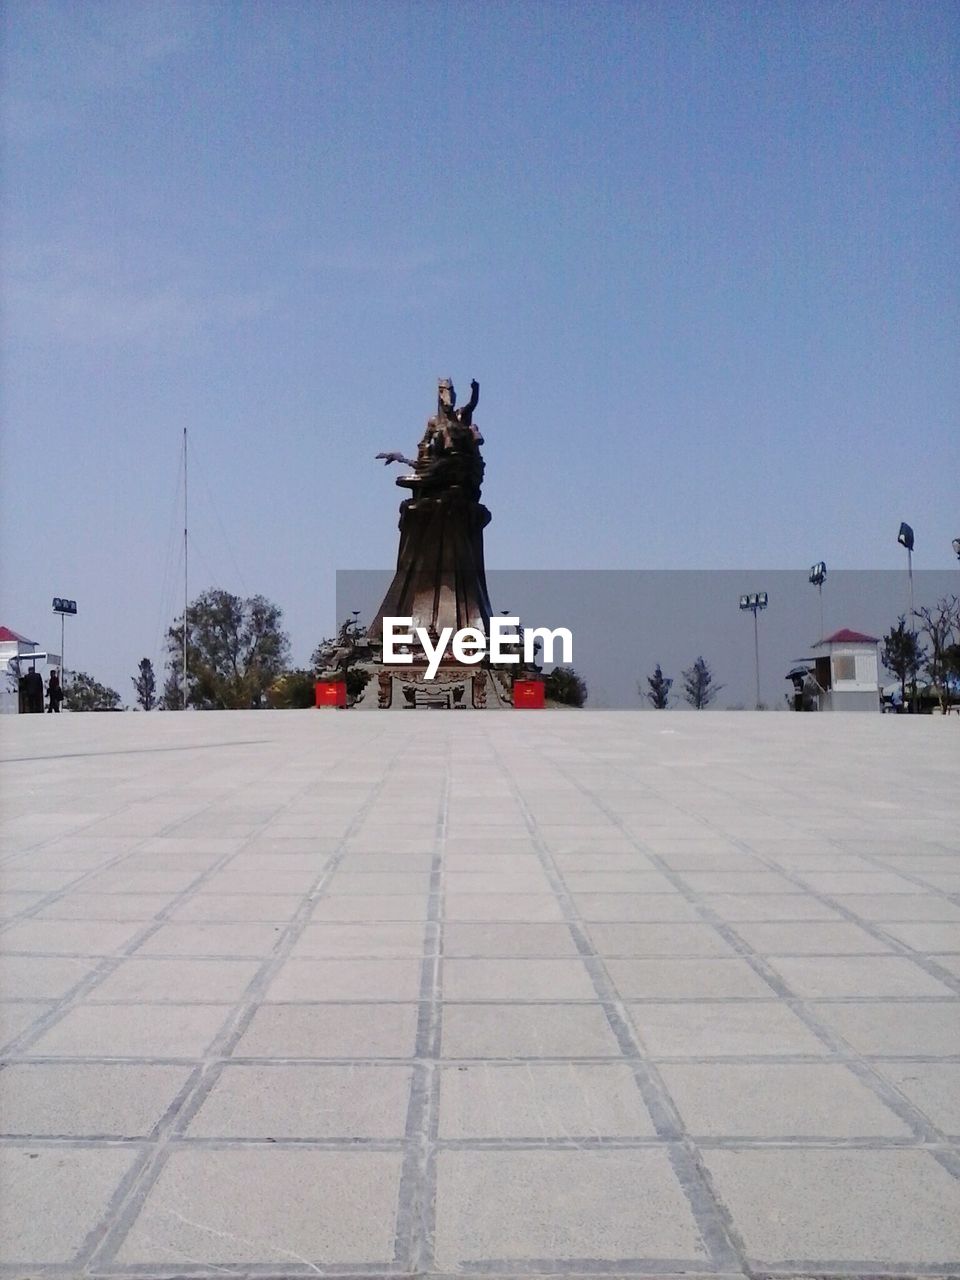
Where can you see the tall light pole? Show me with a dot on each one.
(755, 602)
(63, 607)
(818, 575)
(905, 538)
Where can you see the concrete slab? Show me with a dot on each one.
(694, 979)
(354, 1031)
(283, 993)
(567, 1209)
(63, 937)
(17, 1015)
(157, 979)
(812, 937)
(803, 1208)
(817, 976)
(934, 1087)
(778, 1099)
(346, 979)
(527, 1031)
(896, 1029)
(281, 1101)
(516, 979)
(490, 938)
(295, 1207)
(645, 939)
(576, 1101)
(82, 1099)
(724, 1029)
(53, 1198)
(132, 1031)
(211, 939)
(29, 977)
(372, 941)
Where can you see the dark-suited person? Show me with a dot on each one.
(34, 689)
(54, 693)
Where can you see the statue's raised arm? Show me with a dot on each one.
(465, 414)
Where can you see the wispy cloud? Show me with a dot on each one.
(369, 259)
(60, 56)
(85, 296)
(401, 276)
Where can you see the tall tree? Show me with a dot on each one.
(658, 695)
(145, 684)
(699, 688)
(83, 693)
(903, 655)
(172, 697)
(563, 685)
(235, 650)
(940, 625)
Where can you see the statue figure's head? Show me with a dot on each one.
(445, 393)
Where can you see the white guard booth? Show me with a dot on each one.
(848, 672)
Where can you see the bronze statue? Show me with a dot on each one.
(440, 578)
(447, 399)
(448, 457)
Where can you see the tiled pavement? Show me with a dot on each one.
(560, 993)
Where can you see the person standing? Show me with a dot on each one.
(33, 683)
(54, 693)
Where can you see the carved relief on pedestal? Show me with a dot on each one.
(480, 690)
(385, 689)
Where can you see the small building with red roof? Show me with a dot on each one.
(14, 646)
(848, 671)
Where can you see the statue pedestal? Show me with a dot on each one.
(440, 579)
(454, 688)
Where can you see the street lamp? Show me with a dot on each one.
(905, 538)
(63, 607)
(754, 603)
(518, 634)
(818, 575)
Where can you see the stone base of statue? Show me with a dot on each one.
(455, 687)
(440, 579)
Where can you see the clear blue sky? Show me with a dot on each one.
(703, 259)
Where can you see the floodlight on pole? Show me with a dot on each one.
(905, 538)
(507, 613)
(65, 608)
(818, 575)
(754, 603)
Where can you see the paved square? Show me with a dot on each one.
(287, 994)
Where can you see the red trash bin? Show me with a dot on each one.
(331, 693)
(528, 694)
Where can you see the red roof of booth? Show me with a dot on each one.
(6, 635)
(846, 636)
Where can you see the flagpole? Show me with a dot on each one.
(185, 570)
